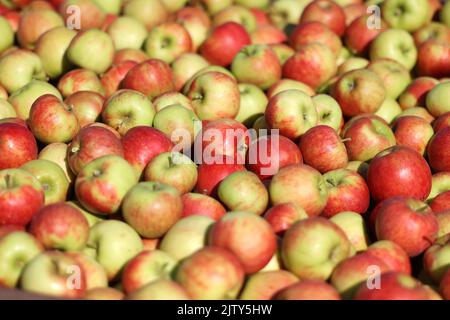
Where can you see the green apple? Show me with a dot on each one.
(283, 51)
(395, 44)
(352, 63)
(419, 112)
(275, 263)
(110, 6)
(127, 109)
(253, 104)
(260, 4)
(150, 12)
(174, 169)
(243, 191)
(353, 226)
(57, 153)
(94, 273)
(6, 110)
(203, 71)
(284, 12)
(84, 50)
(405, 14)
(264, 285)
(344, 55)
(185, 66)
(52, 47)
(161, 289)
(113, 243)
(394, 75)
(328, 111)
(215, 6)
(440, 182)
(180, 124)
(437, 259)
(171, 98)
(389, 109)
(289, 84)
(91, 218)
(238, 14)
(437, 101)
(18, 68)
(444, 14)
(23, 99)
(186, 236)
(358, 166)
(7, 39)
(16, 250)
(52, 178)
(127, 32)
(174, 5)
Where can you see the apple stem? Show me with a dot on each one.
(8, 181)
(346, 139)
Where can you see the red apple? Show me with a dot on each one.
(200, 204)
(268, 34)
(86, 105)
(359, 34)
(327, 12)
(17, 145)
(413, 132)
(112, 78)
(353, 11)
(433, 59)
(10, 228)
(416, 92)
(392, 255)
(443, 121)
(79, 80)
(129, 54)
(441, 202)
(315, 31)
(438, 150)
(282, 216)
(309, 290)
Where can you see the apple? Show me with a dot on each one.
(127, 109)
(257, 64)
(436, 101)
(52, 273)
(433, 59)
(152, 77)
(315, 31)
(440, 182)
(127, 32)
(231, 35)
(328, 111)
(327, 12)
(268, 34)
(441, 202)
(203, 205)
(360, 34)
(417, 111)
(91, 218)
(352, 63)
(94, 273)
(389, 110)
(309, 261)
(186, 236)
(302, 185)
(17, 145)
(322, 149)
(283, 52)
(18, 68)
(207, 69)
(86, 105)
(282, 216)
(413, 132)
(128, 54)
(238, 14)
(85, 46)
(91, 14)
(10, 228)
(150, 13)
(444, 14)
(3, 93)
(113, 77)
(433, 31)
(210, 87)
(352, 224)
(170, 98)
(394, 76)
(268, 154)
(103, 294)
(7, 35)
(196, 22)
(185, 66)
(285, 12)
(445, 283)
(57, 153)
(253, 103)
(173, 169)
(51, 120)
(141, 144)
(161, 289)
(406, 15)
(79, 80)
(52, 178)
(265, 285)
(393, 255)
(416, 92)
(16, 250)
(438, 151)
(292, 112)
(254, 5)
(309, 290)
(146, 267)
(353, 10)
(360, 167)
(102, 184)
(442, 122)
(436, 260)
(304, 65)
(395, 44)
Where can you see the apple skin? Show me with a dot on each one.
(161, 289)
(86, 105)
(236, 13)
(436, 260)
(112, 78)
(79, 80)
(309, 290)
(283, 52)
(10, 228)
(204, 70)
(302, 185)
(322, 149)
(211, 273)
(104, 294)
(441, 202)
(352, 63)
(435, 101)
(91, 143)
(315, 31)
(394, 286)
(413, 132)
(127, 32)
(52, 178)
(392, 255)
(51, 120)
(113, 243)
(94, 273)
(231, 35)
(411, 16)
(358, 36)
(328, 111)
(282, 216)
(99, 186)
(197, 23)
(408, 222)
(313, 64)
(152, 77)
(135, 55)
(442, 122)
(394, 76)
(416, 92)
(265, 285)
(445, 283)
(267, 34)
(146, 267)
(185, 66)
(256, 64)
(16, 246)
(17, 145)
(253, 103)
(60, 226)
(292, 112)
(352, 224)
(186, 236)
(8, 35)
(440, 183)
(91, 15)
(152, 208)
(433, 31)
(203, 205)
(49, 273)
(328, 12)
(141, 144)
(150, 13)
(417, 111)
(57, 153)
(172, 98)
(7, 110)
(285, 153)
(320, 262)
(438, 151)
(21, 196)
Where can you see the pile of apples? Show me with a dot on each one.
(110, 111)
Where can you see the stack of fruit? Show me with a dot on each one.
(225, 149)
